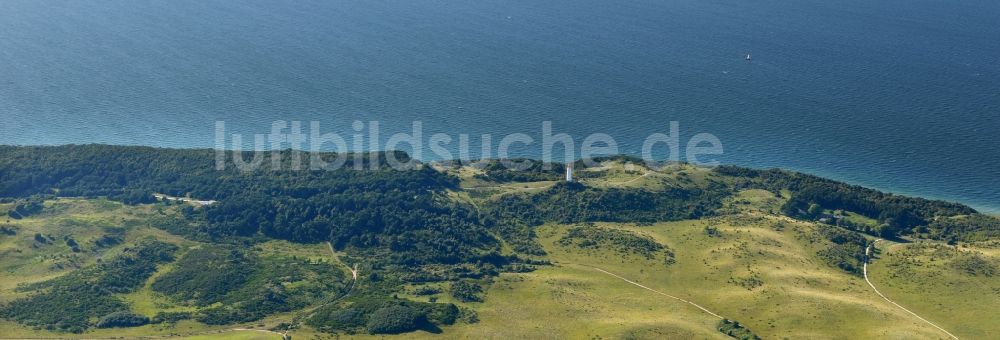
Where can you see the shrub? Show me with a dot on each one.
(205, 275)
(439, 313)
(712, 231)
(122, 319)
(967, 228)
(847, 250)
(170, 317)
(393, 320)
(466, 291)
(736, 330)
(425, 290)
(106, 241)
(25, 208)
(974, 265)
(9, 230)
(345, 319)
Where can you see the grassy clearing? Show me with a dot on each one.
(571, 301)
(765, 276)
(618, 174)
(147, 302)
(476, 189)
(859, 220)
(767, 279)
(754, 200)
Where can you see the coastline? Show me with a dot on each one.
(831, 175)
(856, 179)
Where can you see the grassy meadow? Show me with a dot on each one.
(957, 288)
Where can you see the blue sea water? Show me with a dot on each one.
(901, 95)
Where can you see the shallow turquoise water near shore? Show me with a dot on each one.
(897, 95)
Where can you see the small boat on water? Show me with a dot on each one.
(748, 56)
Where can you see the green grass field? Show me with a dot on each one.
(937, 282)
(799, 297)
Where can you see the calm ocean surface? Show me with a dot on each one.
(901, 95)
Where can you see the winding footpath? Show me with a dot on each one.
(644, 175)
(867, 253)
(354, 281)
(658, 292)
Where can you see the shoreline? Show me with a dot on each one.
(979, 207)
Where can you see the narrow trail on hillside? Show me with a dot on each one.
(867, 253)
(657, 292)
(644, 175)
(354, 281)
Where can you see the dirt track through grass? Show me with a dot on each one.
(867, 252)
(659, 292)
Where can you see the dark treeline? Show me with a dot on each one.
(116, 171)
(846, 250)
(812, 194)
(514, 216)
(384, 317)
(403, 211)
(575, 203)
(373, 208)
(965, 228)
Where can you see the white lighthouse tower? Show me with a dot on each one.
(569, 172)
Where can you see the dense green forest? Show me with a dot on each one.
(810, 195)
(575, 202)
(375, 208)
(394, 219)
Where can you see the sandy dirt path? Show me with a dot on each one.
(867, 253)
(658, 292)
